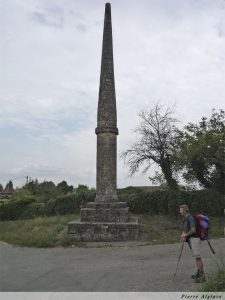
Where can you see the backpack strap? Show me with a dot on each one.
(197, 226)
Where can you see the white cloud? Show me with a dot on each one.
(171, 51)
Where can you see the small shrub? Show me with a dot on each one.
(162, 199)
(13, 209)
(216, 281)
(33, 210)
(50, 207)
(84, 195)
(66, 204)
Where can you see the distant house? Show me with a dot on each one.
(7, 191)
(149, 188)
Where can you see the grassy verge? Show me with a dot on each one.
(38, 232)
(164, 229)
(52, 231)
(216, 281)
(160, 229)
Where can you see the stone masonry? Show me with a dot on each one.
(106, 219)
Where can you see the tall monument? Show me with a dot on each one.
(107, 130)
(105, 219)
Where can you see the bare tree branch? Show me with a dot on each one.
(155, 144)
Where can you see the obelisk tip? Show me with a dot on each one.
(107, 6)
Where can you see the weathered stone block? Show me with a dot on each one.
(97, 205)
(96, 232)
(118, 215)
(116, 212)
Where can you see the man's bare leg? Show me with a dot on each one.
(199, 264)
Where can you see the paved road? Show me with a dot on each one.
(122, 268)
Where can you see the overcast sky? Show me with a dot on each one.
(50, 54)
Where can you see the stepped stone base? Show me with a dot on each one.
(104, 222)
(104, 231)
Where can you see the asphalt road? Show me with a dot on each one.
(124, 267)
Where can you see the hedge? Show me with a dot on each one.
(167, 202)
(30, 207)
(139, 202)
(14, 209)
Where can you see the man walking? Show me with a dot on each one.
(189, 235)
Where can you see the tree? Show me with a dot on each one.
(64, 188)
(201, 152)
(44, 190)
(155, 143)
(32, 187)
(47, 190)
(1, 187)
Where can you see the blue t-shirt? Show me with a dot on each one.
(189, 222)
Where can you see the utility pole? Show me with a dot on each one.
(27, 179)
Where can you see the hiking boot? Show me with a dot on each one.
(193, 276)
(200, 278)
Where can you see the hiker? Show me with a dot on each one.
(189, 235)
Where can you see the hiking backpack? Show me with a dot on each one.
(202, 226)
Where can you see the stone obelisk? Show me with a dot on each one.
(107, 131)
(105, 219)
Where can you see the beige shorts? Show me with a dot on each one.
(195, 247)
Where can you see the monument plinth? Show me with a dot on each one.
(106, 219)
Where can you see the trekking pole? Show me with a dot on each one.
(210, 246)
(182, 246)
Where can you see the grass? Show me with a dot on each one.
(38, 232)
(217, 226)
(216, 281)
(52, 231)
(164, 229)
(160, 229)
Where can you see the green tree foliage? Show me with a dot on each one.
(84, 194)
(155, 143)
(45, 199)
(47, 190)
(165, 202)
(201, 152)
(168, 201)
(13, 209)
(64, 188)
(43, 191)
(32, 187)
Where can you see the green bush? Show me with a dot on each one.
(133, 197)
(84, 195)
(204, 201)
(167, 202)
(33, 210)
(50, 207)
(216, 281)
(139, 201)
(71, 203)
(161, 198)
(13, 209)
(66, 204)
(23, 205)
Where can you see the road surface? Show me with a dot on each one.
(123, 267)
